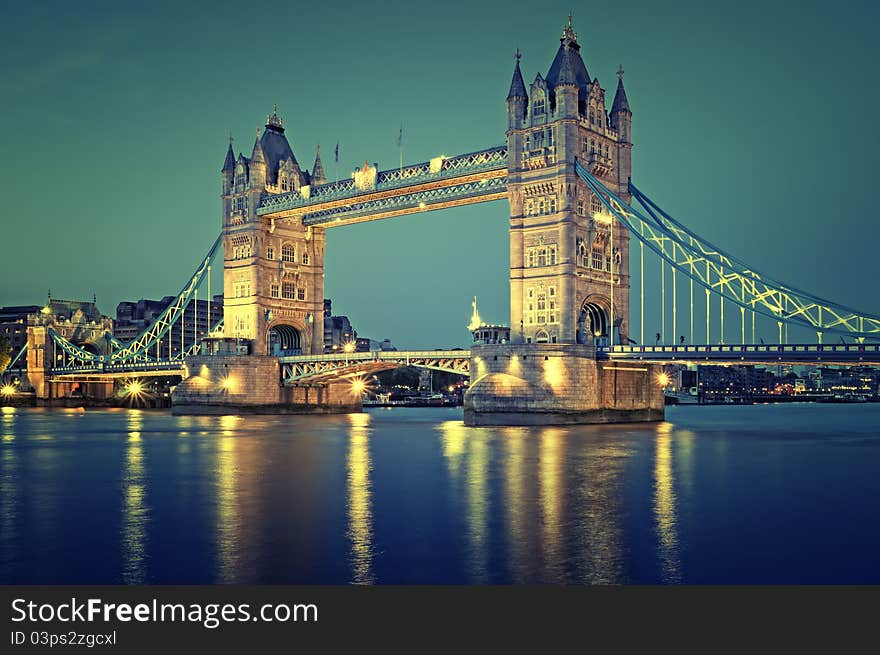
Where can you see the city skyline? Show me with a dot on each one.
(154, 137)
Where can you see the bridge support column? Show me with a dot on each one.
(251, 384)
(557, 384)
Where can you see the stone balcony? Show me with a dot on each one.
(600, 165)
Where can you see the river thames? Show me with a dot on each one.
(729, 494)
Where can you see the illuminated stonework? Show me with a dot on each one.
(565, 252)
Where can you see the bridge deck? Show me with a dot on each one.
(751, 354)
(444, 182)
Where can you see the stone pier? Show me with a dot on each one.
(223, 384)
(557, 384)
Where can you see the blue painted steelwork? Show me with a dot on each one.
(726, 276)
(15, 360)
(422, 200)
(481, 161)
(868, 353)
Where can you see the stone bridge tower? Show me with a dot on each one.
(569, 272)
(273, 273)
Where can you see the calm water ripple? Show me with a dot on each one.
(762, 494)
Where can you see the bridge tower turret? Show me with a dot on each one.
(569, 274)
(273, 271)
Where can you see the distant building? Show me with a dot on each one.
(13, 324)
(14, 319)
(132, 318)
(337, 329)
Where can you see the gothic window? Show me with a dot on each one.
(274, 290)
(288, 254)
(542, 302)
(539, 106)
(538, 139)
(552, 292)
(288, 290)
(531, 263)
(530, 207)
(270, 253)
(531, 293)
(551, 206)
(300, 294)
(598, 259)
(581, 210)
(592, 117)
(285, 185)
(542, 203)
(595, 204)
(586, 145)
(552, 255)
(542, 256)
(583, 255)
(550, 137)
(592, 147)
(305, 258)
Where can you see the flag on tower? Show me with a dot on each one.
(337, 152)
(400, 137)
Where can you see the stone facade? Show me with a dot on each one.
(273, 270)
(552, 384)
(221, 384)
(564, 245)
(569, 261)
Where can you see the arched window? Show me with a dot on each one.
(270, 253)
(288, 254)
(583, 255)
(538, 106)
(541, 337)
(598, 259)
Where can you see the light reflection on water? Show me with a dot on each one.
(409, 496)
(134, 520)
(360, 511)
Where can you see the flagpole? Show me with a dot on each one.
(400, 147)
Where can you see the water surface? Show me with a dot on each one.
(761, 494)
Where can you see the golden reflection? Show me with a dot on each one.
(134, 513)
(664, 506)
(229, 520)
(471, 445)
(360, 512)
(453, 438)
(551, 481)
(519, 502)
(603, 471)
(9, 480)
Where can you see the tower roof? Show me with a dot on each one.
(620, 102)
(258, 156)
(569, 56)
(229, 164)
(517, 85)
(567, 75)
(275, 146)
(318, 169)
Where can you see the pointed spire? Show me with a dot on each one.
(568, 33)
(476, 321)
(567, 76)
(258, 156)
(274, 121)
(318, 169)
(229, 164)
(517, 85)
(620, 102)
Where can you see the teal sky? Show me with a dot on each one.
(753, 123)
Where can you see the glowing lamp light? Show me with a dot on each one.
(135, 388)
(229, 384)
(349, 347)
(358, 387)
(7, 390)
(663, 380)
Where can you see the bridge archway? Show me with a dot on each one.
(593, 322)
(283, 339)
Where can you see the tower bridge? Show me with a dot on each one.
(573, 355)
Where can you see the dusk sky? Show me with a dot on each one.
(753, 122)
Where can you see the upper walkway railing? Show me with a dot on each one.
(441, 168)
